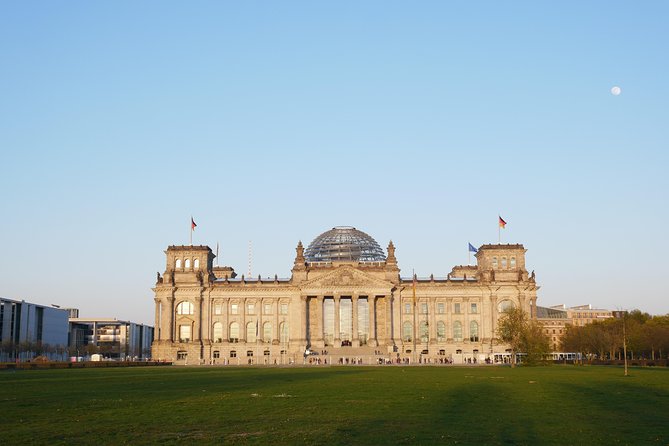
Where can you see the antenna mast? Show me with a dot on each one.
(250, 258)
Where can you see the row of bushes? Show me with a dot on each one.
(78, 365)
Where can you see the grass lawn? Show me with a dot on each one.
(336, 405)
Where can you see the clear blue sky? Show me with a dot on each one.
(274, 121)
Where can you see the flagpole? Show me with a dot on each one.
(191, 231)
(414, 316)
(499, 231)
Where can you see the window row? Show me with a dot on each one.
(424, 332)
(254, 332)
(186, 263)
(249, 353)
(512, 263)
(189, 308)
(441, 308)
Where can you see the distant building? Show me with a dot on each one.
(113, 338)
(28, 329)
(555, 320)
(584, 314)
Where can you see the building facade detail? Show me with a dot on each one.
(345, 299)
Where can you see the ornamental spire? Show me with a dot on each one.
(299, 258)
(391, 260)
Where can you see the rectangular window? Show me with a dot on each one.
(218, 309)
(184, 332)
(456, 308)
(234, 309)
(474, 308)
(440, 308)
(233, 354)
(423, 308)
(217, 354)
(268, 309)
(250, 308)
(407, 308)
(284, 308)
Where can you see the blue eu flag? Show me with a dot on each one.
(472, 249)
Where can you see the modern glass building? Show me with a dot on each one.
(28, 329)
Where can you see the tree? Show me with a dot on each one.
(535, 343)
(523, 335)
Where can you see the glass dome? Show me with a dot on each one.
(344, 243)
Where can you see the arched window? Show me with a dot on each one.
(196, 263)
(251, 332)
(177, 264)
(424, 334)
(234, 332)
(505, 305)
(513, 262)
(267, 332)
(407, 331)
(457, 331)
(218, 332)
(185, 308)
(503, 262)
(474, 331)
(283, 331)
(187, 263)
(494, 263)
(441, 331)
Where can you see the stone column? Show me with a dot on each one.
(261, 329)
(276, 308)
(303, 312)
(493, 320)
(432, 329)
(389, 320)
(355, 341)
(242, 328)
(158, 323)
(225, 310)
(198, 318)
(320, 342)
(371, 301)
(337, 328)
(170, 308)
(449, 319)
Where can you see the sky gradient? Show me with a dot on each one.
(274, 121)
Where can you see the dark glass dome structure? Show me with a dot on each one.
(344, 243)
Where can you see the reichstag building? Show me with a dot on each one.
(345, 302)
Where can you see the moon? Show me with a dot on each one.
(615, 91)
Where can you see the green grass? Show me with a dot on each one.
(339, 405)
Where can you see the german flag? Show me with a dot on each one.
(502, 223)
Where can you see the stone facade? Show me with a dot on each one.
(335, 311)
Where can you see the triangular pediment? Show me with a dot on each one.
(346, 278)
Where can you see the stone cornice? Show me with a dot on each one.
(188, 289)
(253, 290)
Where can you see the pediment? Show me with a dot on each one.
(346, 278)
